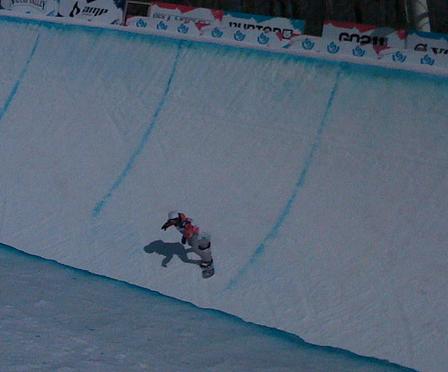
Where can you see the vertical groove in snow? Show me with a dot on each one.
(144, 140)
(259, 251)
(15, 88)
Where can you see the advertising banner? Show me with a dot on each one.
(255, 30)
(361, 41)
(428, 48)
(181, 19)
(307, 43)
(98, 11)
(138, 22)
(237, 28)
(33, 7)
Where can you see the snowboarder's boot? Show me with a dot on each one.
(205, 264)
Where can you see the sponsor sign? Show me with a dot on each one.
(427, 48)
(98, 11)
(34, 7)
(255, 30)
(138, 22)
(361, 41)
(307, 43)
(183, 20)
(230, 27)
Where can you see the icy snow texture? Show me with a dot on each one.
(323, 185)
(55, 318)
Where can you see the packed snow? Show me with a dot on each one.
(56, 318)
(323, 184)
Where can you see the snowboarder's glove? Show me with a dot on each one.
(184, 240)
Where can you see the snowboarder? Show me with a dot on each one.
(199, 242)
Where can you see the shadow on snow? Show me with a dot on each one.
(169, 250)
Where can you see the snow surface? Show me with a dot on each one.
(56, 318)
(323, 184)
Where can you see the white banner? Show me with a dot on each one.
(138, 22)
(366, 42)
(33, 7)
(181, 19)
(269, 32)
(236, 28)
(428, 48)
(307, 43)
(98, 11)
(361, 41)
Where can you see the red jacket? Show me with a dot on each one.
(186, 227)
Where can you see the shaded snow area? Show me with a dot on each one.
(57, 318)
(323, 185)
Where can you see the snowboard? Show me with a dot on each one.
(208, 272)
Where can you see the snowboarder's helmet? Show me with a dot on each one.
(173, 215)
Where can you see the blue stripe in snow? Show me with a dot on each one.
(15, 88)
(259, 251)
(130, 165)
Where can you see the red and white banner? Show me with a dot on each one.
(361, 41)
(235, 28)
(377, 45)
(270, 32)
(183, 20)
